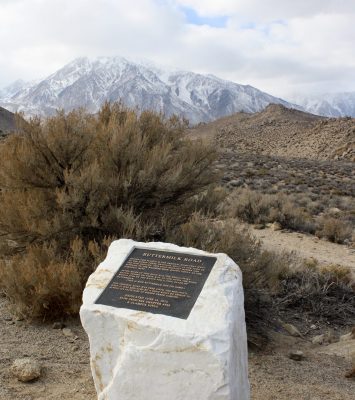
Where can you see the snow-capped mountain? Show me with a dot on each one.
(329, 105)
(88, 83)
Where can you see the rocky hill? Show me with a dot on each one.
(279, 131)
(7, 121)
(88, 83)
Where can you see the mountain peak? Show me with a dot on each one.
(88, 82)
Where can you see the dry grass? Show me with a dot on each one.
(326, 295)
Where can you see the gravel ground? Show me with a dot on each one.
(66, 369)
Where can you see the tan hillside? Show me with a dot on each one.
(284, 132)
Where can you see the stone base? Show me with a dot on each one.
(137, 355)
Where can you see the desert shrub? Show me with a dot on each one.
(334, 229)
(255, 207)
(210, 202)
(79, 178)
(340, 273)
(323, 294)
(262, 270)
(48, 282)
(293, 217)
(248, 205)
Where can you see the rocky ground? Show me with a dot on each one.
(284, 132)
(64, 353)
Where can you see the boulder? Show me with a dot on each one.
(139, 355)
(26, 369)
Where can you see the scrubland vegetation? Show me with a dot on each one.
(292, 212)
(72, 183)
(304, 195)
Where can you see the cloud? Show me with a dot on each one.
(278, 46)
(267, 10)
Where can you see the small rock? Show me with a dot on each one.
(334, 211)
(259, 226)
(58, 325)
(7, 319)
(296, 355)
(291, 329)
(313, 327)
(235, 182)
(319, 339)
(26, 369)
(68, 332)
(276, 226)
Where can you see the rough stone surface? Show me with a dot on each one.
(319, 339)
(26, 369)
(68, 332)
(137, 355)
(276, 226)
(296, 355)
(58, 325)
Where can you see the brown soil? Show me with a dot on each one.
(66, 368)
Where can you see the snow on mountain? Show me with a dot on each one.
(329, 105)
(11, 90)
(88, 83)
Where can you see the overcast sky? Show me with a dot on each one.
(279, 46)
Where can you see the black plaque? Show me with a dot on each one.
(159, 282)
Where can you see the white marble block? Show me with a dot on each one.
(137, 355)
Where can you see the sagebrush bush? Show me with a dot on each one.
(339, 272)
(80, 178)
(334, 229)
(254, 207)
(262, 270)
(323, 294)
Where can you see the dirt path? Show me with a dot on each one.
(66, 370)
(307, 246)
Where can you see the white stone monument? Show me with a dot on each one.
(198, 354)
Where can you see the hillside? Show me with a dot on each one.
(279, 131)
(7, 121)
(89, 83)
